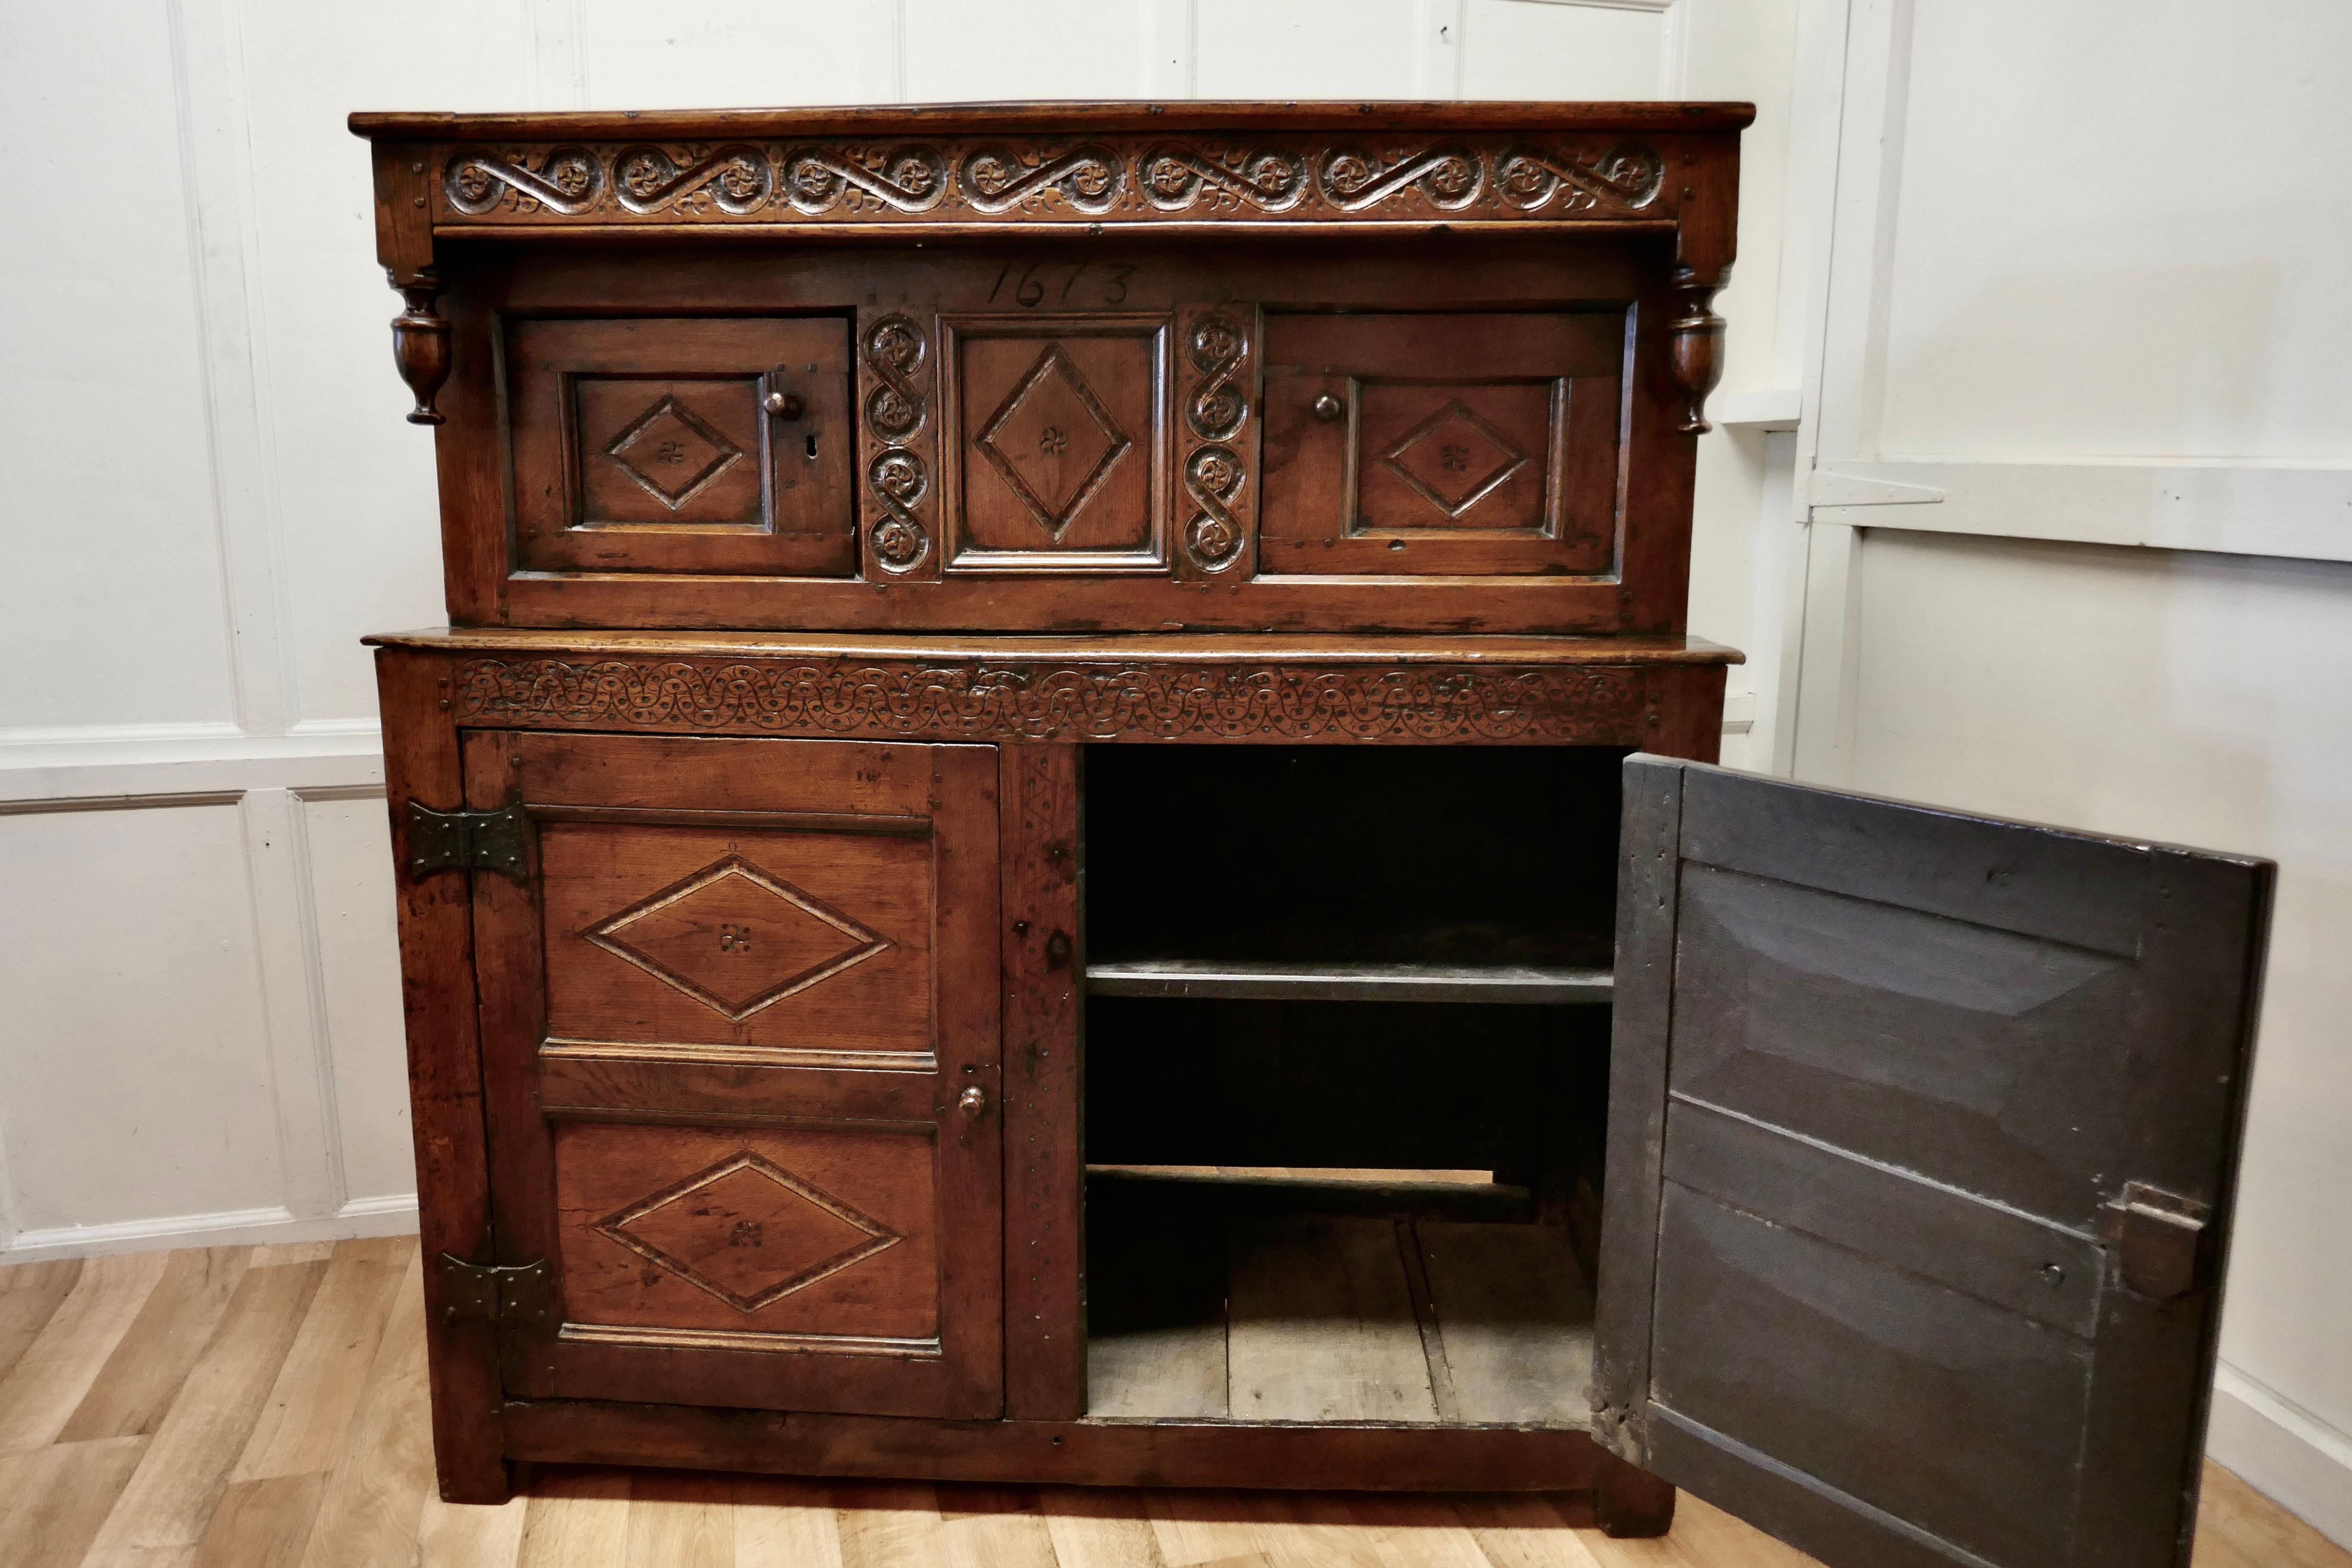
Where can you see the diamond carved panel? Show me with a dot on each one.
(1053, 441)
(670, 453)
(735, 938)
(1453, 459)
(748, 1231)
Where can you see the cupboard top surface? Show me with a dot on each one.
(1331, 114)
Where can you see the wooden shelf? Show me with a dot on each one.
(1317, 981)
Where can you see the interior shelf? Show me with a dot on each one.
(1302, 980)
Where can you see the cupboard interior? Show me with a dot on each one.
(1347, 1061)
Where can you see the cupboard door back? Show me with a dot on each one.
(732, 1021)
(1922, 1133)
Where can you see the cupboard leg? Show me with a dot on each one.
(1628, 1500)
(471, 1478)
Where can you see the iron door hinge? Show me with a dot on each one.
(467, 841)
(2159, 1239)
(512, 1296)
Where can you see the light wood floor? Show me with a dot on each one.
(264, 1407)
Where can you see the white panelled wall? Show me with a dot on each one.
(2053, 280)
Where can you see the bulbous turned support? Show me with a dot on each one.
(420, 344)
(1698, 346)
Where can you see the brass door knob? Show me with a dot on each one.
(972, 1100)
(1327, 408)
(784, 404)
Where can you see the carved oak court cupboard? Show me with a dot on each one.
(1062, 834)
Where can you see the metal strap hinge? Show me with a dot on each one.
(2159, 1239)
(467, 841)
(512, 1295)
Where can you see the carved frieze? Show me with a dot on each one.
(1003, 701)
(1044, 179)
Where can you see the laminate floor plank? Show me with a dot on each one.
(2236, 1524)
(681, 1520)
(169, 1499)
(376, 1495)
(262, 1523)
(50, 1379)
(155, 1354)
(169, 1503)
(993, 1526)
(576, 1518)
(886, 1524)
(1321, 1323)
(1099, 1528)
(781, 1522)
(53, 1499)
(310, 1406)
(30, 1294)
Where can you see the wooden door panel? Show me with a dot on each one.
(726, 1027)
(773, 1238)
(1442, 444)
(1961, 1052)
(681, 445)
(1923, 1132)
(1058, 462)
(804, 943)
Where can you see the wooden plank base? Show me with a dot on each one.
(1275, 1456)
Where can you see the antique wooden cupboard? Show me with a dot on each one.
(1025, 858)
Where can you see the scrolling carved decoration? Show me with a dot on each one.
(893, 351)
(1047, 700)
(1044, 179)
(1217, 412)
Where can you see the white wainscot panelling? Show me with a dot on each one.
(349, 483)
(105, 484)
(957, 51)
(634, 55)
(2112, 234)
(1309, 49)
(1563, 48)
(136, 1082)
(348, 851)
(2200, 699)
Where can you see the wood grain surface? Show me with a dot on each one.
(296, 1436)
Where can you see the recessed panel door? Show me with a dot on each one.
(1922, 1134)
(740, 1028)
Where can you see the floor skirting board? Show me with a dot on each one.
(392, 1216)
(2283, 1451)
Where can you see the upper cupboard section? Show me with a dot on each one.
(1340, 385)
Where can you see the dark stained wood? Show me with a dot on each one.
(422, 764)
(1287, 1457)
(1044, 957)
(1905, 1063)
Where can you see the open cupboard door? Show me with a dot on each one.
(1922, 1134)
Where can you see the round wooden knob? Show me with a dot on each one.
(1327, 408)
(784, 404)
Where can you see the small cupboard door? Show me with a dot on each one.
(1922, 1133)
(740, 1028)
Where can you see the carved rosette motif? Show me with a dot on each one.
(984, 701)
(1047, 179)
(894, 351)
(1217, 412)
